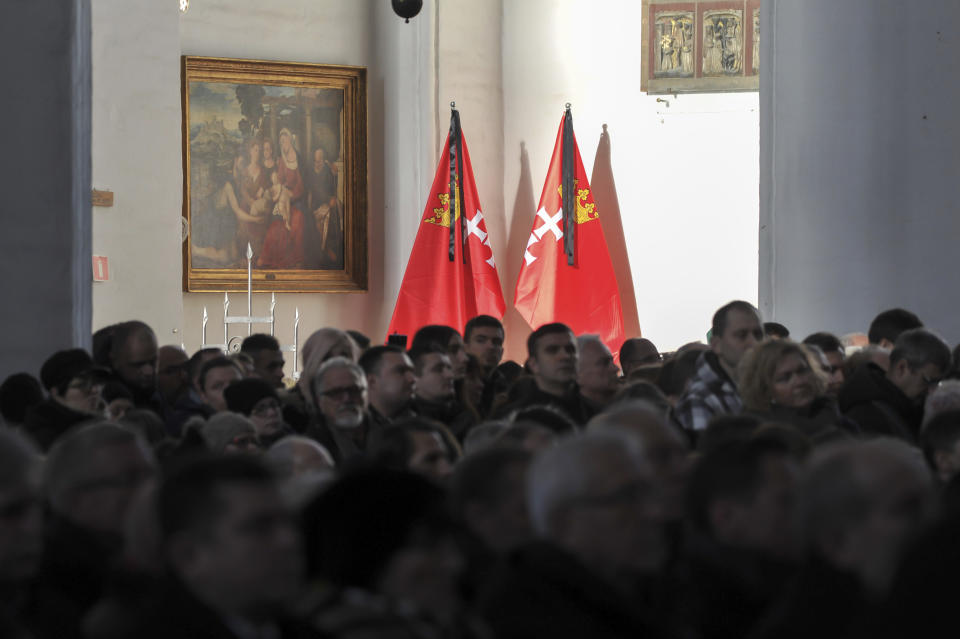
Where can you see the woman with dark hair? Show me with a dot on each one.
(779, 382)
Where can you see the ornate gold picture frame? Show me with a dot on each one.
(700, 47)
(274, 159)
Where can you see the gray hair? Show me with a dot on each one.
(281, 456)
(946, 397)
(589, 338)
(222, 428)
(69, 458)
(839, 486)
(567, 470)
(316, 384)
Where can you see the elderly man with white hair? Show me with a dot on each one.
(596, 509)
(598, 376)
(860, 503)
(339, 391)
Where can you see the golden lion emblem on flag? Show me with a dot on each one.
(441, 216)
(585, 212)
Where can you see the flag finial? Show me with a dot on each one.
(453, 105)
(567, 106)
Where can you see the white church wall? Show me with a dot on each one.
(686, 171)
(859, 149)
(686, 174)
(136, 155)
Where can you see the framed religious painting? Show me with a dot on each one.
(275, 176)
(700, 47)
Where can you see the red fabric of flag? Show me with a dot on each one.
(436, 290)
(584, 295)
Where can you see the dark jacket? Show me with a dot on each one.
(728, 590)
(821, 602)
(878, 406)
(49, 419)
(820, 421)
(542, 591)
(73, 576)
(453, 414)
(570, 403)
(187, 405)
(177, 614)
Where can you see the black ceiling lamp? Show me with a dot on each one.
(406, 8)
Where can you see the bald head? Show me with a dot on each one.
(133, 356)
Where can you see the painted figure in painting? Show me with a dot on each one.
(250, 185)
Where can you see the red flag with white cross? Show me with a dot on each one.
(451, 275)
(567, 275)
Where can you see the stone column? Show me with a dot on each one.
(45, 244)
(860, 169)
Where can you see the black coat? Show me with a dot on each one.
(177, 614)
(879, 407)
(49, 419)
(541, 591)
(822, 602)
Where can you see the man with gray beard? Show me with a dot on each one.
(340, 392)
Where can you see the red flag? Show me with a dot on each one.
(567, 275)
(447, 280)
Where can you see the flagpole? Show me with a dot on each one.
(568, 196)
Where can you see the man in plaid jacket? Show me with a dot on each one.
(713, 389)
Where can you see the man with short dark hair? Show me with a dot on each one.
(554, 361)
(435, 390)
(834, 352)
(888, 325)
(215, 375)
(133, 357)
(447, 338)
(713, 389)
(637, 352)
(391, 381)
(891, 402)
(267, 357)
(234, 553)
(74, 384)
(483, 338)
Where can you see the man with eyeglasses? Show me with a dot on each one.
(891, 402)
(74, 384)
(340, 392)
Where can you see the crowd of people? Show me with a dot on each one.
(753, 486)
